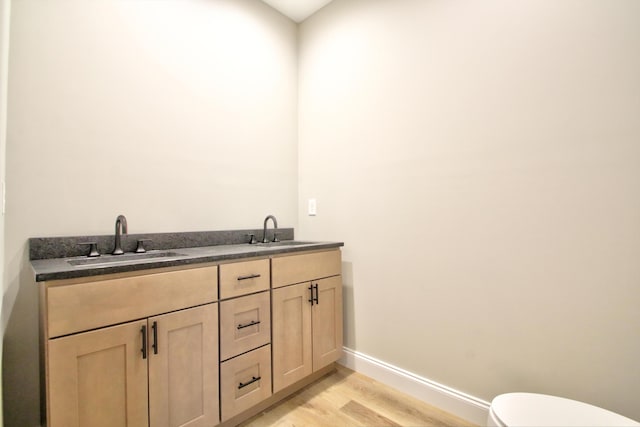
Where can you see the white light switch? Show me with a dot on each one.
(312, 207)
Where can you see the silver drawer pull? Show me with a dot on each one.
(250, 276)
(251, 381)
(253, 322)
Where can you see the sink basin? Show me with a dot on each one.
(285, 243)
(124, 259)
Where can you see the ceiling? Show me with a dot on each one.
(298, 10)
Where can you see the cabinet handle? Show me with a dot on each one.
(250, 276)
(311, 290)
(143, 330)
(253, 322)
(251, 381)
(317, 293)
(154, 326)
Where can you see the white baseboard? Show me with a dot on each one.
(453, 401)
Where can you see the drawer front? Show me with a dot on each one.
(245, 324)
(287, 270)
(245, 381)
(241, 278)
(84, 306)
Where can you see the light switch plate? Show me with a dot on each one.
(312, 207)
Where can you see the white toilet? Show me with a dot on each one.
(529, 409)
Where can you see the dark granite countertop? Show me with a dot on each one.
(60, 268)
(50, 262)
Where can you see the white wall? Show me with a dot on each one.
(5, 11)
(180, 114)
(481, 162)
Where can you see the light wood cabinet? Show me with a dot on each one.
(98, 378)
(290, 269)
(292, 351)
(160, 371)
(245, 336)
(79, 306)
(307, 327)
(101, 378)
(183, 368)
(326, 322)
(245, 381)
(169, 348)
(242, 278)
(246, 324)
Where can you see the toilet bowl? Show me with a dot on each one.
(529, 409)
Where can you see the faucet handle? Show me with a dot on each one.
(93, 248)
(141, 249)
(252, 239)
(275, 237)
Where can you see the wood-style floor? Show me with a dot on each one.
(346, 398)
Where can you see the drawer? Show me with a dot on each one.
(287, 270)
(245, 381)
(245, 324)
(241, 278)
(83, 306)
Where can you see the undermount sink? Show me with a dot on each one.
(124, 259)
(285, 243)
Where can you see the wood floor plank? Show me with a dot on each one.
(347, 398)
(365, 416)
(398, 406)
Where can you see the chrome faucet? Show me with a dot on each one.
(275, 227)
(121, 227)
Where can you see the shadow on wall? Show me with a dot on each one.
(20, 359)
(348, 305)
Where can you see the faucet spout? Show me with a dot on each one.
(121, 228)
(264, 230)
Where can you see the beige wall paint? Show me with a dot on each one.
(180, 114)
(5, 13)
(465, 153)
(481, 162)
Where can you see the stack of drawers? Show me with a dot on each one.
(245, 336)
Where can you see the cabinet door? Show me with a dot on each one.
(327, 321)
(291, 329)
(98, 378)
(183, 368)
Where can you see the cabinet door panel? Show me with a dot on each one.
(327, 322)
(183, 375)
(98, 378)
(292, 357)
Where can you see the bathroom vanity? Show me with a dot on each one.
(213, 337)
